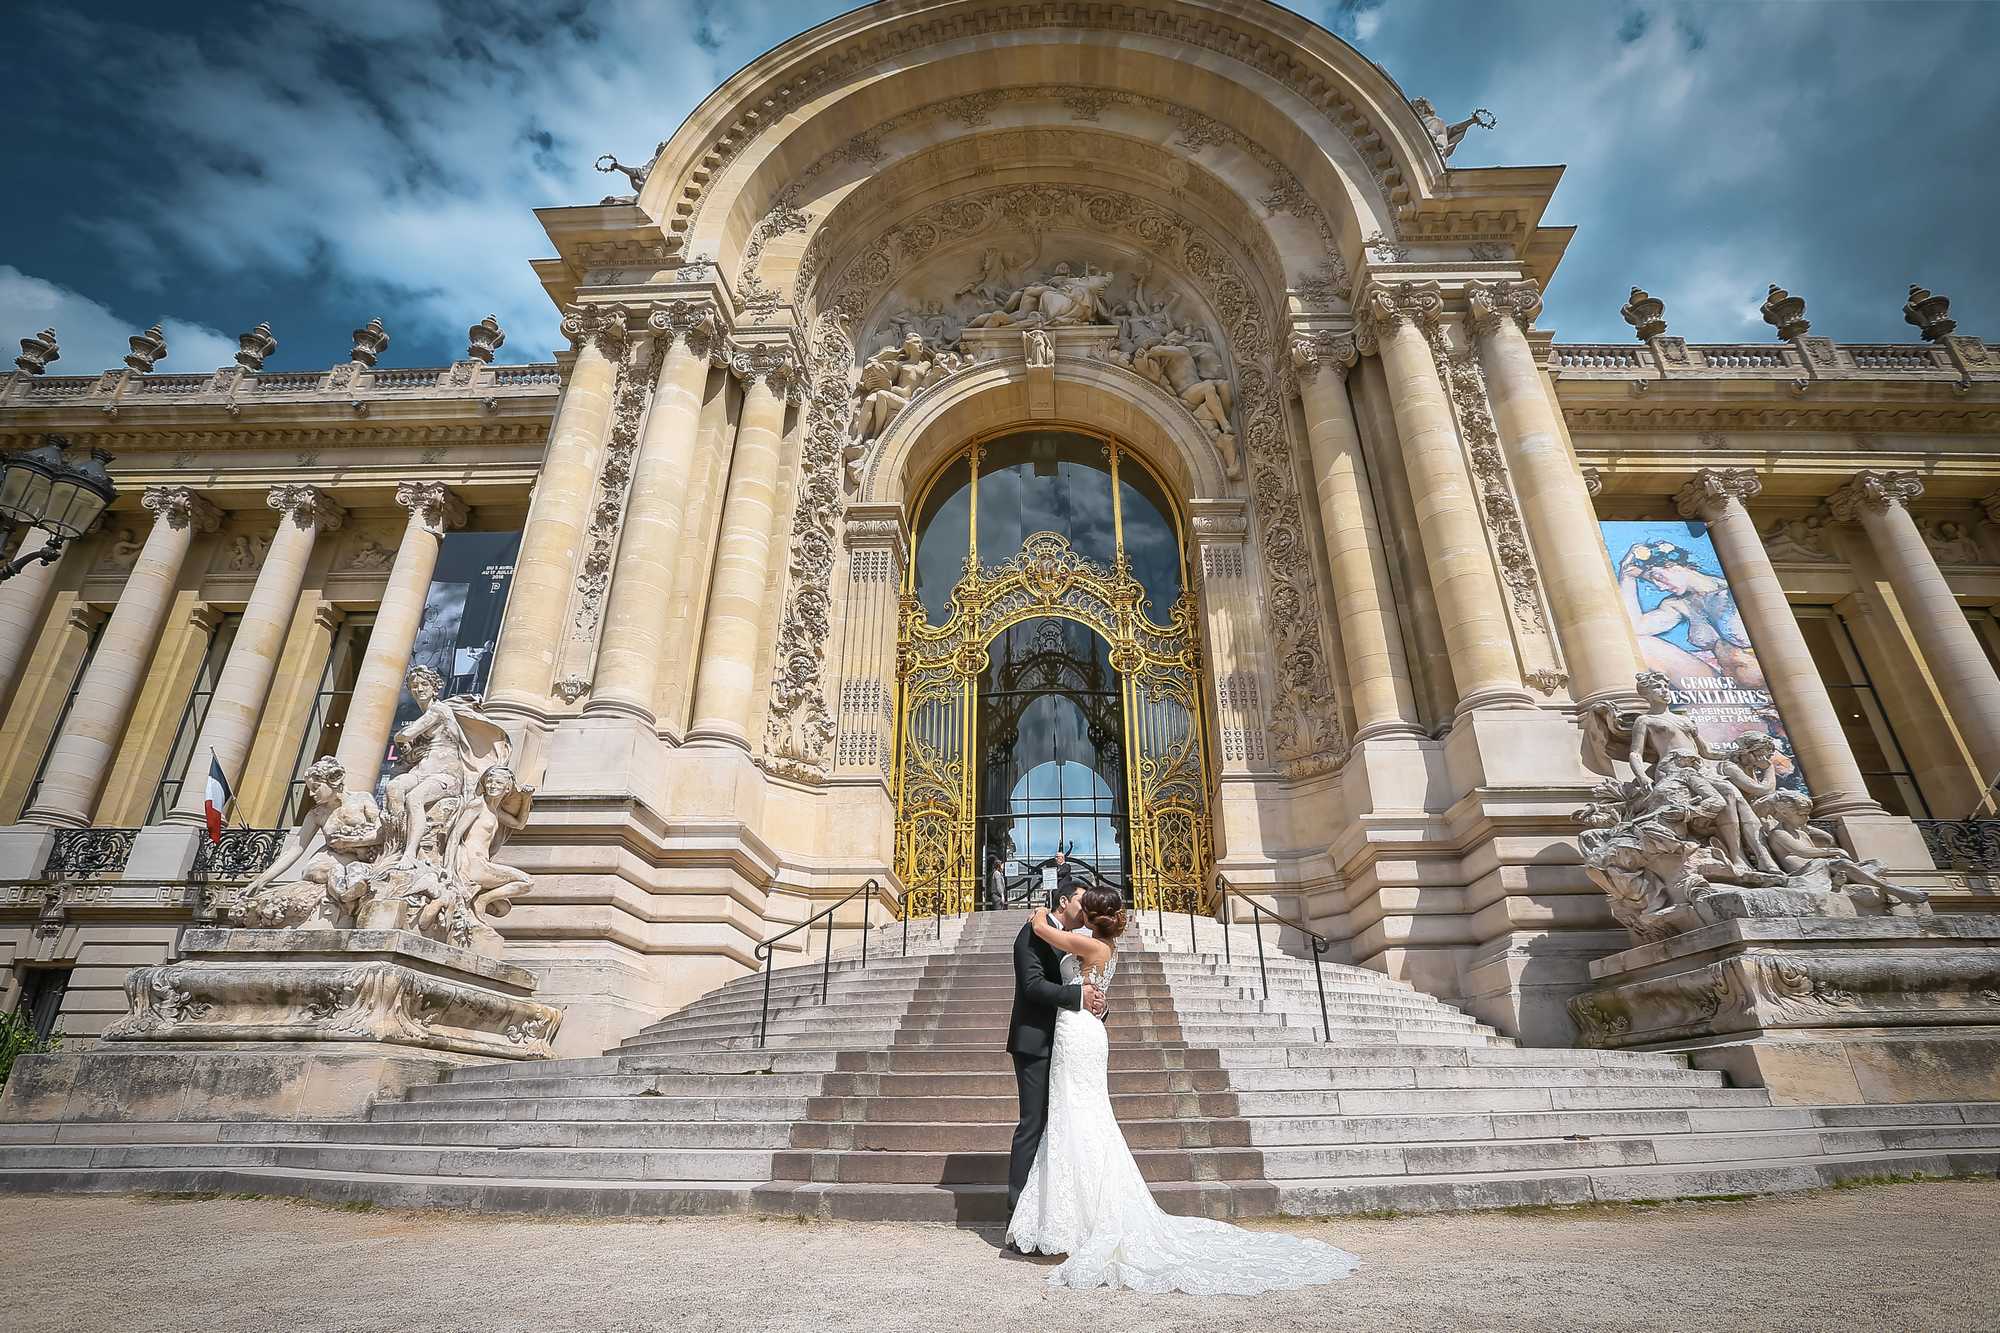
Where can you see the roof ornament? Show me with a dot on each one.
(1445, 136)
(37, 352)
(1924, 309)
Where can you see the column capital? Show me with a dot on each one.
(1709, 492)
(775, 364)
(1991, 504)
(696, 323)
(83, 616)
(328, 617)
(307, 506)
(1384, 307)
(432, 504)
(1219, 520)
(205, 616)
(1874, 490)
(1491, 302)
(178, 507)
(1324, 349)
(599, 326)
(1593, 482)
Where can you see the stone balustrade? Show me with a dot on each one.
(1955, 360)
(233, 389)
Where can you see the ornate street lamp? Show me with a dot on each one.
(43, 489)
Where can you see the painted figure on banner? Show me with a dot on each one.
(1690, 631)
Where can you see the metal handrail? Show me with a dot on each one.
(1320, 944)
(763, 950)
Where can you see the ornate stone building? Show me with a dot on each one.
(994, 429)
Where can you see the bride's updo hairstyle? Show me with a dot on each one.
(1104, 913)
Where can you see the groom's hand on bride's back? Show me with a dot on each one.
(1093, 999)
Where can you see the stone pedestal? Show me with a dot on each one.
(277, 1024)
(389, 986)
(1820, 1010)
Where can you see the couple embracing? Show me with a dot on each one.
(1073, 1187)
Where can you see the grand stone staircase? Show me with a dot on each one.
(895, 1099)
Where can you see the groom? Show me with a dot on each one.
(1038, 993)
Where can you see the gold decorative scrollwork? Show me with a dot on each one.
(1158, 665)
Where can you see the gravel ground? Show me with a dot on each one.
(1902, 1256)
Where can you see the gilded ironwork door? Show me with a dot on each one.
(1167, 786)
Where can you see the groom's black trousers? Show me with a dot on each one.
(1031, 1084)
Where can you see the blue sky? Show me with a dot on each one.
(315, 165)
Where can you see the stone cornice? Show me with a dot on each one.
(1873, 490)
(1749, 419)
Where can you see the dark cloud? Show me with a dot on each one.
(328, 163)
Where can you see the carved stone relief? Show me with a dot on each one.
(1798, 540)
(798, 739)
(1285, 194)
(1306, 734)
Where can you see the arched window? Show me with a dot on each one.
(1046, 481)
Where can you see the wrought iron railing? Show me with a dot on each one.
(763, 949)
(239, 854)
(82, 853)
(1962, 844)
(1320, 944)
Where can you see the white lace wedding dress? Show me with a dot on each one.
(1086, 1199)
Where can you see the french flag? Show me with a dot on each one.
(219, 797)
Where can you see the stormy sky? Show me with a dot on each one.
(311, 165)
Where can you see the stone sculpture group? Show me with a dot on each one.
(1696, 834)
(424, 859)
(1181, 358)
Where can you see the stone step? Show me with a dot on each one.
(678, 1133)
(603, 1164)
(975, 1203)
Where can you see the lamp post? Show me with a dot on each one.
(43, 489)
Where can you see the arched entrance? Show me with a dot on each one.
(1043, 707)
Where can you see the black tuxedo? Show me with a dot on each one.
(1031, 1030)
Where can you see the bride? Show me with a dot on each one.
(1085, 1197)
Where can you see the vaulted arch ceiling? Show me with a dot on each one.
(1314, 141)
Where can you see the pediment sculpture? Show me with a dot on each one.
(1141, 333)
(425, 859)
(1697, 835)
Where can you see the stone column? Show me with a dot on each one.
(547, 568)
(81, 758)
(634, 646)
(1590, 616)
(1484, 665)
(237, 706)
(726, 684)
(1371, 637)
(24, 603)
(1879, 502)
(1716, 496)
(378, 685)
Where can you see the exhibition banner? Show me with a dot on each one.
(1689, 628)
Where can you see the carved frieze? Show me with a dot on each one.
(630, 396)
(799, 727)
(1306, 732)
